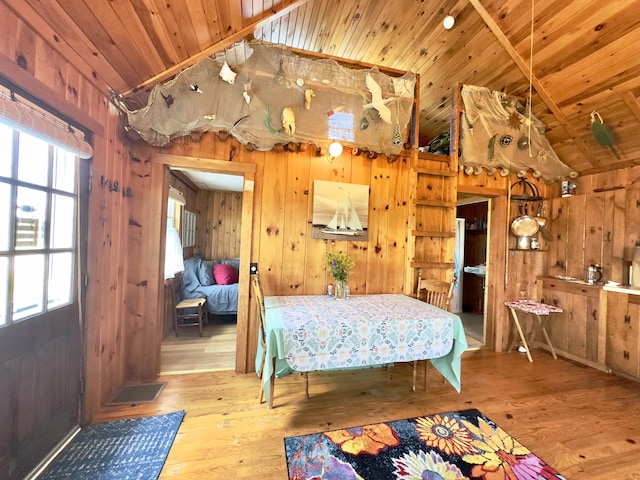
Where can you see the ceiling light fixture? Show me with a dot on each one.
(449, 22)
(335, 150)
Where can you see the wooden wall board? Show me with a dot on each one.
(295, 231)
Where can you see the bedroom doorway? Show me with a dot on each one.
(220, 348)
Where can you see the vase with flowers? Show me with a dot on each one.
(340, 264)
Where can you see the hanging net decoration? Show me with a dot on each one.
(264, 95)
(497, 131)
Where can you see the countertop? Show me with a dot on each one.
(622, 289)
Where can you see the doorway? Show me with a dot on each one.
(472, 238)
(224, 347)
(208, 221)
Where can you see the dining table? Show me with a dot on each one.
(306, 333)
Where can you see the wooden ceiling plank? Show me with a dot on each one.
(200, 23)
(390, 29)
(559, 43)
(363, 30)
(214, 48)
(213, 21)
(304, 12)
(119, 20)
(156, 30)
(524, 68)
(316, 24)
(334, 29)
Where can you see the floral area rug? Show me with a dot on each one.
(447, 446)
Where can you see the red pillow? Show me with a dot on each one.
(225, 274)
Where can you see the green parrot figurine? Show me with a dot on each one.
(603, 134)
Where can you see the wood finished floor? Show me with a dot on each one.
(584, 422)
(215, 351)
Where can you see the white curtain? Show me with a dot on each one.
(173, 261)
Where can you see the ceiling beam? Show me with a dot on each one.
(216, 47)
(524, 68)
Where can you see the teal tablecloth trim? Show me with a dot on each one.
(449, 365)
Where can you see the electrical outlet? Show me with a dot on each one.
(253, 268)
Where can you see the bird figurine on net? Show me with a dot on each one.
(603, 134)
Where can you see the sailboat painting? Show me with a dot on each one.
(340, 210)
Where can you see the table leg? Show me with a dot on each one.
(546, 337)
(272, 383)
(522, 337)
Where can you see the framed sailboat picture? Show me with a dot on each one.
(340, 210)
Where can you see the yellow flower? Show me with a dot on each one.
(446, 434)
(340, 265)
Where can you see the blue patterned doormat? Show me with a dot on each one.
(134, 448)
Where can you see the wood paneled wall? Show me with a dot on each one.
(29, 60)
(600, 224)
(218, 222)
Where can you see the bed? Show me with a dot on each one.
(217, 280)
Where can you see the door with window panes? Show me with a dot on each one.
(40, 329)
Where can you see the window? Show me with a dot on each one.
(189, 229)
(37, 225)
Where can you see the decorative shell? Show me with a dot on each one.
(227, 74)
(288, 121)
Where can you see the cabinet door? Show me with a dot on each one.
(558, 324)
(622, 334)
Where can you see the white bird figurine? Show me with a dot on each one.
(377, 102)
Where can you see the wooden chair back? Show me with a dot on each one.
(435, 292)
(259, 294)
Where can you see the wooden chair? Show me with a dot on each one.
(437, 293)
(259, 296)
(189, 312)
(262, 329)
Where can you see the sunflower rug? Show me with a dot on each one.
(447, 446)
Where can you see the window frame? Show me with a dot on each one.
(9, 316)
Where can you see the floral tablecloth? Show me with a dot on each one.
(322, 333)
(318, 332)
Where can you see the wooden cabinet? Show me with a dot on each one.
(578, 332)
(623, 333)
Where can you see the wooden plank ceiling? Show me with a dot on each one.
(586, 53)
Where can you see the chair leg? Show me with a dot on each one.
(306, 384)
(264, 355)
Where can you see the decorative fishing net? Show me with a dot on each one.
(245, 90)
(497, 131)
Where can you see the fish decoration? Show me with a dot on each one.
(288, 119)
(227, 74)
(280, 76)
(308, 94)
(194, 88)
(603, 134)
(377, 102)
(168, 99)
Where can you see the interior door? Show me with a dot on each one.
(40, 329)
